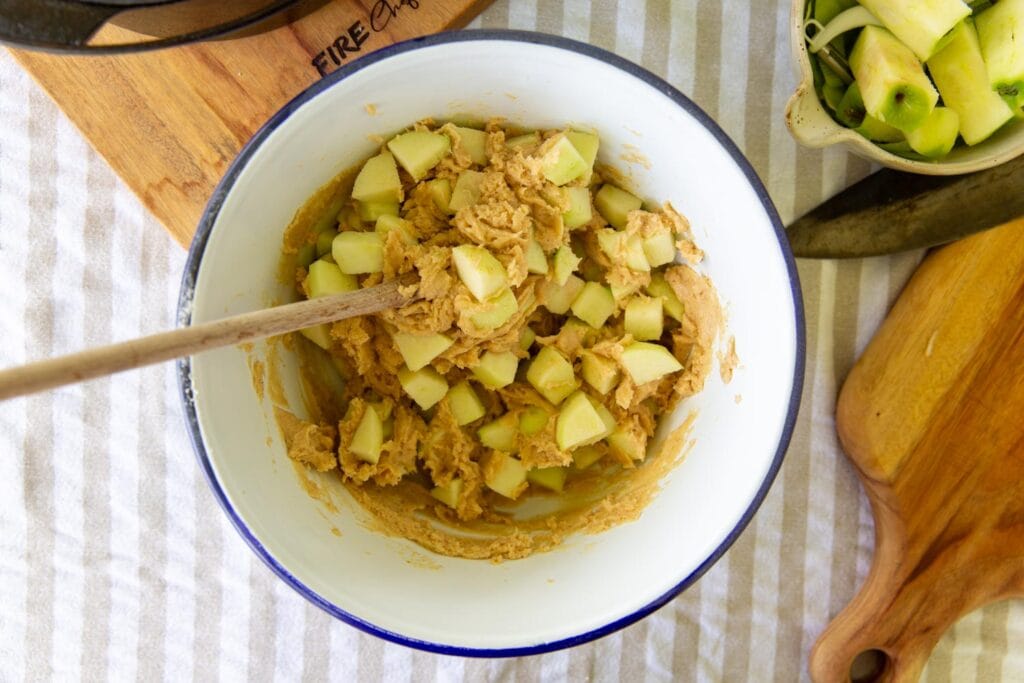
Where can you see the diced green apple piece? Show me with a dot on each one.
(551, 478)
(1001, 36)
(526, 338)
(558, 299)
(624, 290)
(466, 191)
(936, 136)
(614, 204)
(644, 318)
(533, 420)
(536, 260)
(919, 24)
(892, 80)
(561, 163)
(319, 335)
(552, 375)
(646, 362)
(659, 287)
(594, 305)
(358, 252)
(620, 247)
(324, 241)
(419, 151)
(419, 349)
(425, 386)
(879, 131)
(599, 372)
(585, 456)
(465, 404)
(659, 247)
(496, 370)
(578, 422)
(368, 437)
(327, 278)
(448, 493)
(524, 141)
(482, 274)
(387, 223)
(500, 308)
(566, 263)
(440, 190)
(378, 181)
(504, 474)
(475, 143)
(369, 212)
(586, 144)
(606, 417)
(958, 70)
(628, 444)
(579, 213)
(851, 113)
(500, 434)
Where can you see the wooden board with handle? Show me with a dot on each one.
(932, 416)
(170, 121)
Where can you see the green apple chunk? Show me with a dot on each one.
(558, 299)
(504, 474)
(959, 73)
(319, 335)
(358, 252)
(500, 434)
(475, 143)
(936, 136)
(625, 290)
(419, 151)
(606, 418)
(1001, 36)
(586, 144)
(920, 24)
(533, 420)
(327, 278)
(551, 478)
(387, 223)
(892, 80)
(426, 386)
(496, 370)
(419, 349)
(614, 204)
(324, 241)
(659, 247)
(536, 260)
(594, 305)
(660, 288)
(619, 247)
(465, 404)
(628, 443)
(851, 113)
(440, 190)
(524, 141)
(579, 213)
(378, 181)
(526, 338)
(369, 212)
(552, 375)
(599, 372)
(566, 263)
(466, 191)
(646, 362)
(448, 493)
(578, 422)
(561, 163)
(368, 437)
(500, 308)
(482, 274)
(643, 318)
(585, 456)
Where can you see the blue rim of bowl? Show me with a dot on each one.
(212, 210)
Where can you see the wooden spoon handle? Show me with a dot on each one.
(186, 341)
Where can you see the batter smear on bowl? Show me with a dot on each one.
(513, 401)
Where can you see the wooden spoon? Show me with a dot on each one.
(107, 360)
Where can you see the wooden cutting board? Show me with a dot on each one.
(932, 416)
(169, 122)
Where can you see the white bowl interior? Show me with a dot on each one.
(591, 581)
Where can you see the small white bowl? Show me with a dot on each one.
(813, 126)
(592, 584)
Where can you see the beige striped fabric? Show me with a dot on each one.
(116, 563)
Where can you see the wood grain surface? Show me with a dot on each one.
(932, 416)
(170, 121)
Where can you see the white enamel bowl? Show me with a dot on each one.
(593, 584)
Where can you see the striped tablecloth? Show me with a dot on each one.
(115, 561)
